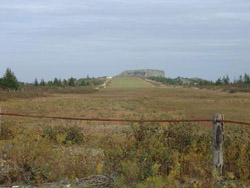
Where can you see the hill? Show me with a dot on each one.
(129, 83)
(144, 73)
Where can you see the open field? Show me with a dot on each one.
(152, 103)
(129, 83)
(108, 146)
(28, 92)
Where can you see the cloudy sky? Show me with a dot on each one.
(63, 38)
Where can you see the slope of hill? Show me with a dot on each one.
(129, 83)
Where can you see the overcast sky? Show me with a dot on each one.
(64, 38)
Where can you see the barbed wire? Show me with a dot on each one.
(124, 120)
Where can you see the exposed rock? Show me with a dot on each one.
(144, 73)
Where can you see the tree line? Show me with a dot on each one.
(10, 82)
(71, 82)
(225, 80)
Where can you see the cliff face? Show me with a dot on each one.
(144, 73)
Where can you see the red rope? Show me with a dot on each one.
(234, 122)
(124, 120)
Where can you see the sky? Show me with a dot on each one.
(64, 38)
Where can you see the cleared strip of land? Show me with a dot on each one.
(129, 83)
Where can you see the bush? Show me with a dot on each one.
(6, 132)
(42, 91)
(173, 155)
(61, 134)
(32, 159)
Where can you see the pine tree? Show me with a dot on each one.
(1, 82)
(36, 82)
(226, 80)
(42, 82)
(9, 81)
(72, 82)
(65, 83)
(50, 83)
(246, 79)
(60, 82)
(56, 82)
(218, 82)
(82, 83)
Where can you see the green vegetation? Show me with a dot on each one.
(174, 155)
(33, 159)
(9, 81)
(61, 134)
(243, 79)
(182, 81)
(148, 155)
(11, 88)
(129, 83)
(242, 84)
(30, 91)
(71, 82)
(225, 80)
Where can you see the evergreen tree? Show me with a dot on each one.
(60, 83)
(72, 82)
(65, 83)
(42, 82)
(246, 79)
(226, 80)
(1, 83)
(82, 82)
(218, 82)
(36, 82)
(9, 81)
(50, 83)
(57, 82)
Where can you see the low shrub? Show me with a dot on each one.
(32, 159)
(151, 155)
(64, 135)
(174, 155)
(6, 132)
(42, 91)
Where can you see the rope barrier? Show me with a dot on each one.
(124, 120)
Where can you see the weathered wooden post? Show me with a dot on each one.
(217, 142)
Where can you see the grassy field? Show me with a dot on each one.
(129, 83)
(34, 147)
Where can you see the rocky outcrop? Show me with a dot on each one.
(144, 73)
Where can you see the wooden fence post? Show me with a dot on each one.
(217, 143)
